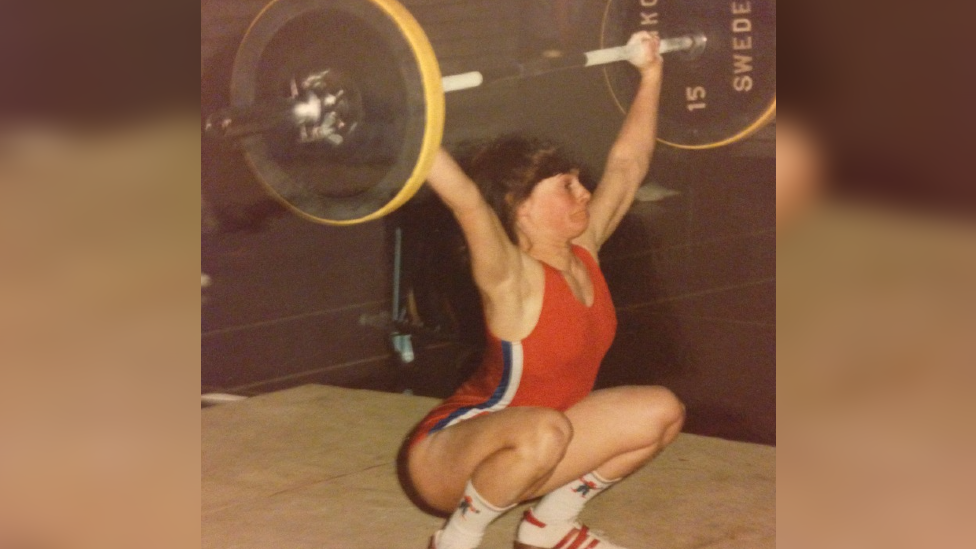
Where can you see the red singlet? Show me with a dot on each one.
(555, 366)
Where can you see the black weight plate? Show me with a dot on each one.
(380, 51)
(723, 95)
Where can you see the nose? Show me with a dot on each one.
(582, 194)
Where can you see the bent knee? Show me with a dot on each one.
(671, 406)
(545, 435)
(663, 408)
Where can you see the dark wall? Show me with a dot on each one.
(692, 275)
(694, 283)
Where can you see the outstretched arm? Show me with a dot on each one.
(496, 262)
(630, 156)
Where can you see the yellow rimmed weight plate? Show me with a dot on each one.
(373, 50)
(715, 98)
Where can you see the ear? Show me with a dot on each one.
(519, 210)
(509, 199)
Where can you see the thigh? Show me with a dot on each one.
(612, 422)
(441, 464)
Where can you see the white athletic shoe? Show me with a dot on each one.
(579, 536)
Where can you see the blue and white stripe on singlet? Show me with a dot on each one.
(504, 393)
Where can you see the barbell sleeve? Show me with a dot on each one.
(526, 69)
(462, 81)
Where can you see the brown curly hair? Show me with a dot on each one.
(507, 169)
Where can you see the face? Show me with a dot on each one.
(558, 203)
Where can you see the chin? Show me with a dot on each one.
(580, 229)
(577, 224)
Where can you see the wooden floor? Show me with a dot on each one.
(315, 467)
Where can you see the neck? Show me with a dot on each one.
(558, 255)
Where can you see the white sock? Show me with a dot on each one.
(555, 514)
(466, 526)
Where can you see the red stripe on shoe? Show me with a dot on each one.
(530, 518)
(567, 539)
(580, 538)
(593, 544)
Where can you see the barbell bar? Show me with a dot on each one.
(316, 116)
(592, 58)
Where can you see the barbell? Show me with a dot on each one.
(338, 105)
